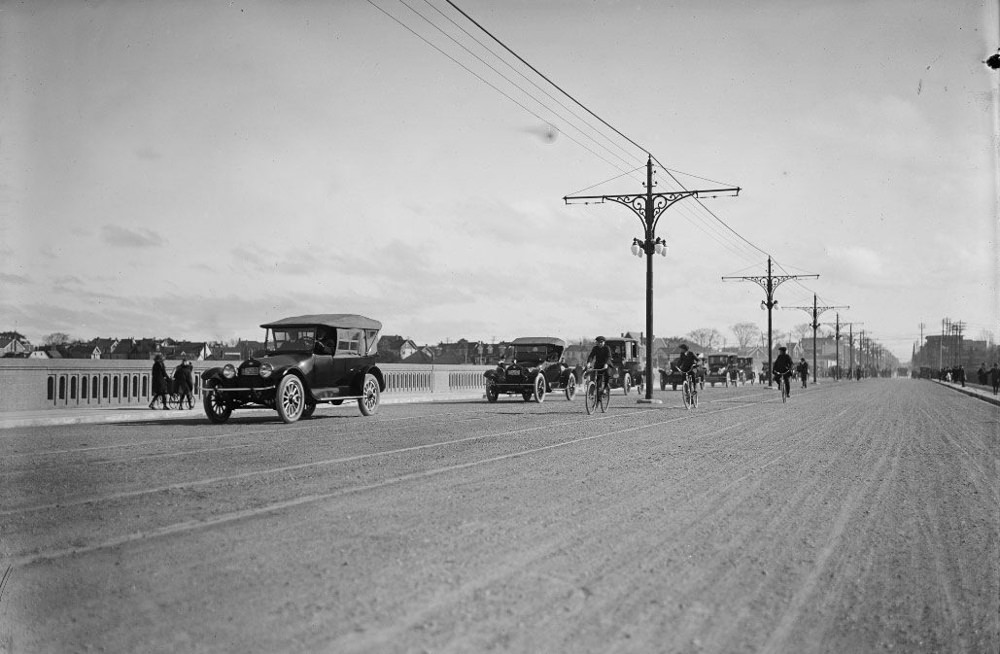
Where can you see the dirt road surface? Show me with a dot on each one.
(859, 517)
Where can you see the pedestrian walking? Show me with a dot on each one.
(995, 378)
(981, 374)
(803, 370)
(183, 383)
(960, 375)
(161, 382)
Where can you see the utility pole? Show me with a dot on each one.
(816, 311)
(959, 328)
(770, 283)
(850, 325)
(649, 207)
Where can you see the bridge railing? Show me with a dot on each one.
(32, 384)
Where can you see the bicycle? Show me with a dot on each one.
(690, 388)
(595, 398)
(784, 382)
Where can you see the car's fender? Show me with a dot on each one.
(373, 370)
(491, 374)
(211, 374)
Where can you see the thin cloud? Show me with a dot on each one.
(20, 280)
(131, 238)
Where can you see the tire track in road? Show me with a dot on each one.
(881, 476)
(235, 516)
(276, 429)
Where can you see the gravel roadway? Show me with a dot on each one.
(858, 517)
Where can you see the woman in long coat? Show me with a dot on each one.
(161, 382)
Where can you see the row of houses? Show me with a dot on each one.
(391, 348)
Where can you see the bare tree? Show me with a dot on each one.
(803, 331)
(746, 333)
(706, 338)
(56, 338)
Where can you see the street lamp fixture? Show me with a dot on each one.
(641, 248)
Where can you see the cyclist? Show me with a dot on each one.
(783, 369)
(600, 357)
(687, 363)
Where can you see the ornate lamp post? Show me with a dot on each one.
(769, 283)
(649, 207)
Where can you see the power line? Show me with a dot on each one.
(728, 237)
(540, 74)
(484, 80)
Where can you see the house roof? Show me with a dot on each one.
(348, 320)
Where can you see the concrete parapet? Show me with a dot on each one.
(41, 384)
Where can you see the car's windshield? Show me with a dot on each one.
(531, 353)
(291, 339)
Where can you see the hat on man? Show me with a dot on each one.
(782, 348)
(682, 346)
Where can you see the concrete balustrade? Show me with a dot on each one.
(33, 384)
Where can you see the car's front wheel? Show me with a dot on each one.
(539, 391)
(627, 383)
(215, 408)
(570, 387)
(492, 394)
(290, 399)
(370, 395)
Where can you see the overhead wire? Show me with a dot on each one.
(713, 226)
(521, 74)
(481, 78)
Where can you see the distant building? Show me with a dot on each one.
(13, 344)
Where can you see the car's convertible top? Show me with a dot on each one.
(538, 340)
(345, 320)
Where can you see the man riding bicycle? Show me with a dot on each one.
(600, 357)
(687, 363)
(783, 370)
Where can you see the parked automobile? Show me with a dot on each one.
(531, 367)
(312, 359)
(629, 370)
(747, 372)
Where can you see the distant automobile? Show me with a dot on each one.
(309, 360)
(628, 368)
(531, 367)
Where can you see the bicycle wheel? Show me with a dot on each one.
(590, 398)
(686, 391)
(784, 390)
(604, 399)
(694, 398)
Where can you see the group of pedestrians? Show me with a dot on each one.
(181, 383)
(986, 376)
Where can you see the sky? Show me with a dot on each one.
(195, 169)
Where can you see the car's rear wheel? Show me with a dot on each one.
(539, 391)
(290, 399)
(491, 392)
(370, 395)
(627, 383)
(215, 408)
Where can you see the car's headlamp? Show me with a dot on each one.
(266, 369)
(228, 371)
